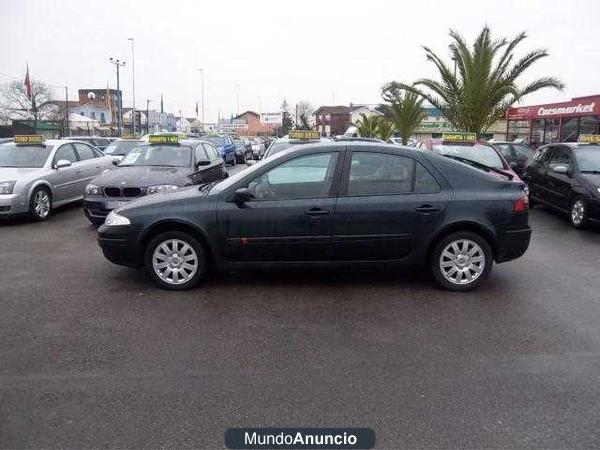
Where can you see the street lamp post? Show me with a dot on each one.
(133, 80)
(202, 74)
(237, 99)
(118, 64)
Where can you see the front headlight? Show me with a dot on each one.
(158, 188)
(113, 219)
(92, 189)
(6, 187)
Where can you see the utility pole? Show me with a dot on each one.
(237, 99)
(118, 64)
(133, 79)
(202, 74)
(68, 130)
(147, 116)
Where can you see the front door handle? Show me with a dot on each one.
(427, 209)
(316, 212)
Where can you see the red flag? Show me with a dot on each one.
(27, 84)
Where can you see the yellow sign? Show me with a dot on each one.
(128, 136)
(163, 139)
(304, 134)
(459, 137)
(29, 139)
(590, 138)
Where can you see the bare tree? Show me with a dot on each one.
(14, 103)
(304, 112)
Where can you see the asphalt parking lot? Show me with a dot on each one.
(94, 355)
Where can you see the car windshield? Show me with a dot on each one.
(215, 140)
(588, 158)
(159, 155)
(120, 147)
(34, 156)
(483, 154)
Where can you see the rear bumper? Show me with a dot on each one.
(120, 245)
(512, 244)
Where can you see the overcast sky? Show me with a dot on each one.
(319, 51)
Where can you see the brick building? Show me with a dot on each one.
(248, 124)
(332, 120)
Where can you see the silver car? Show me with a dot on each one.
(35, 178)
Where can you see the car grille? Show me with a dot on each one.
(129, 192)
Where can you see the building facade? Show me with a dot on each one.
(554, 122)
(332, 120)
(249, 124)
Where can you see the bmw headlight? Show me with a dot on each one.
(92, 189)
(6, 187)
(158, 188)
(113, 219)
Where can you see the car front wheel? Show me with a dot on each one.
(461, 261)
(40, 204)
(578, 212)
(175, 260)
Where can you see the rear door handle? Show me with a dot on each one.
(316, 212)
(427, 209)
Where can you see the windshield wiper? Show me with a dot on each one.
(480, 165)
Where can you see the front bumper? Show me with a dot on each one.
(120, 245)
(97, 207)
(11, 204)
(512, 244)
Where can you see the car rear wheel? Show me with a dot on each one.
(40, 204)
(175, 260)
(461, 261)
(578, 212)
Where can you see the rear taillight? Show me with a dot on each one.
(522, 204)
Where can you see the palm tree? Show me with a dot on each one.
(405, 110)
(385, 128)
(486, 82)
(366, 125)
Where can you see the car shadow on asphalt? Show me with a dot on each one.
(57, 214)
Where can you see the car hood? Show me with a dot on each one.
(184, 193)
(143, 176)
(593, 178)
(21, 173)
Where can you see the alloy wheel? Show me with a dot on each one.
(578, 212)
(41, 204)
(462, 261)
(175, 261)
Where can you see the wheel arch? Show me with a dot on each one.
(37, 184)
(166, 225)
(474, 227)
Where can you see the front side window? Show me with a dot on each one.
(201, 153)
(522, 150)
(35, 156)
(303, 177)
(158, 155)
(211, 152)
(560, 157)
(506, 150)
(66, 152)
(380, 173)
(84, 151)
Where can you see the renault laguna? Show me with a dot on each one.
(346, 203)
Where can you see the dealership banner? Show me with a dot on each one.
(583, 106)
(275, 118)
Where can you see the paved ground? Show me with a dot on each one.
(93, 355)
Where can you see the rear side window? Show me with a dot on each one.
(380, 173)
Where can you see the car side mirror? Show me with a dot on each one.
(242, 195)
(62, 164)
(561, 169)
(203, 162)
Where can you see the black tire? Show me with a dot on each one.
(36, 213)
(182, 237)
(436, 260)
(578, 219)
